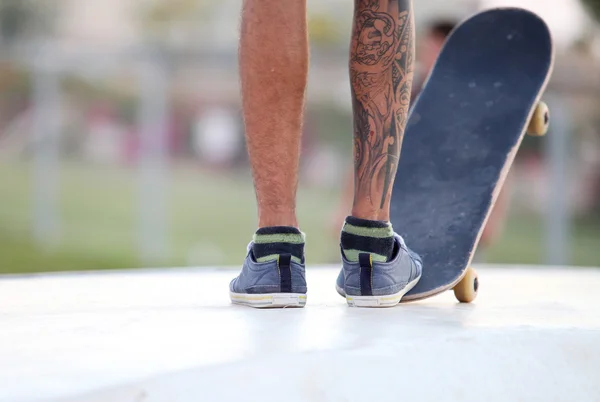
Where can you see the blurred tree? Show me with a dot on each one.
(23, 19)
(159, 18)
(162, 18)
(594, 7)
(15, 16)
(20, 21)
(324, 30)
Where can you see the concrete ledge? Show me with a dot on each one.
(171, 335)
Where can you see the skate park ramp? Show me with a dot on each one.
(171, 335)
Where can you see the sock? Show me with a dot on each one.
(366, 236)
(272, 241)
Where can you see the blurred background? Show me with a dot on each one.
(121, 139)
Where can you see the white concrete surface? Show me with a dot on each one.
(172, 336)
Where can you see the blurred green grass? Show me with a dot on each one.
(211, 218)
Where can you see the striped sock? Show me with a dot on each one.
(366, 236)
(272, 241)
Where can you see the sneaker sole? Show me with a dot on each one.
(380, 301)
(269, 300)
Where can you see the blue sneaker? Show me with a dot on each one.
(369, 283)
(277, 283)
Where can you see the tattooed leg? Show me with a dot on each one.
(381, 69)
(381, 72)
(274, 68)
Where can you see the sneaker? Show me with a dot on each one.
(379, 284)
(277, 284)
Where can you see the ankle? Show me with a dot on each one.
(267, 219)
(368, 213)
(374, 223)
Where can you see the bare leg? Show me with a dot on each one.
(381, 73)
(274, 70)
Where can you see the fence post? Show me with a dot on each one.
(46, 112)
(557, 222)
(152, 167)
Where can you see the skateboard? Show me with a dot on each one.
(464, 129)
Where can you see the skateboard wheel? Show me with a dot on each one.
(466, 290)
(538, 125)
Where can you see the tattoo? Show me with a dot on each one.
(381, 71)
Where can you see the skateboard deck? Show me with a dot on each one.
(462, 135)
